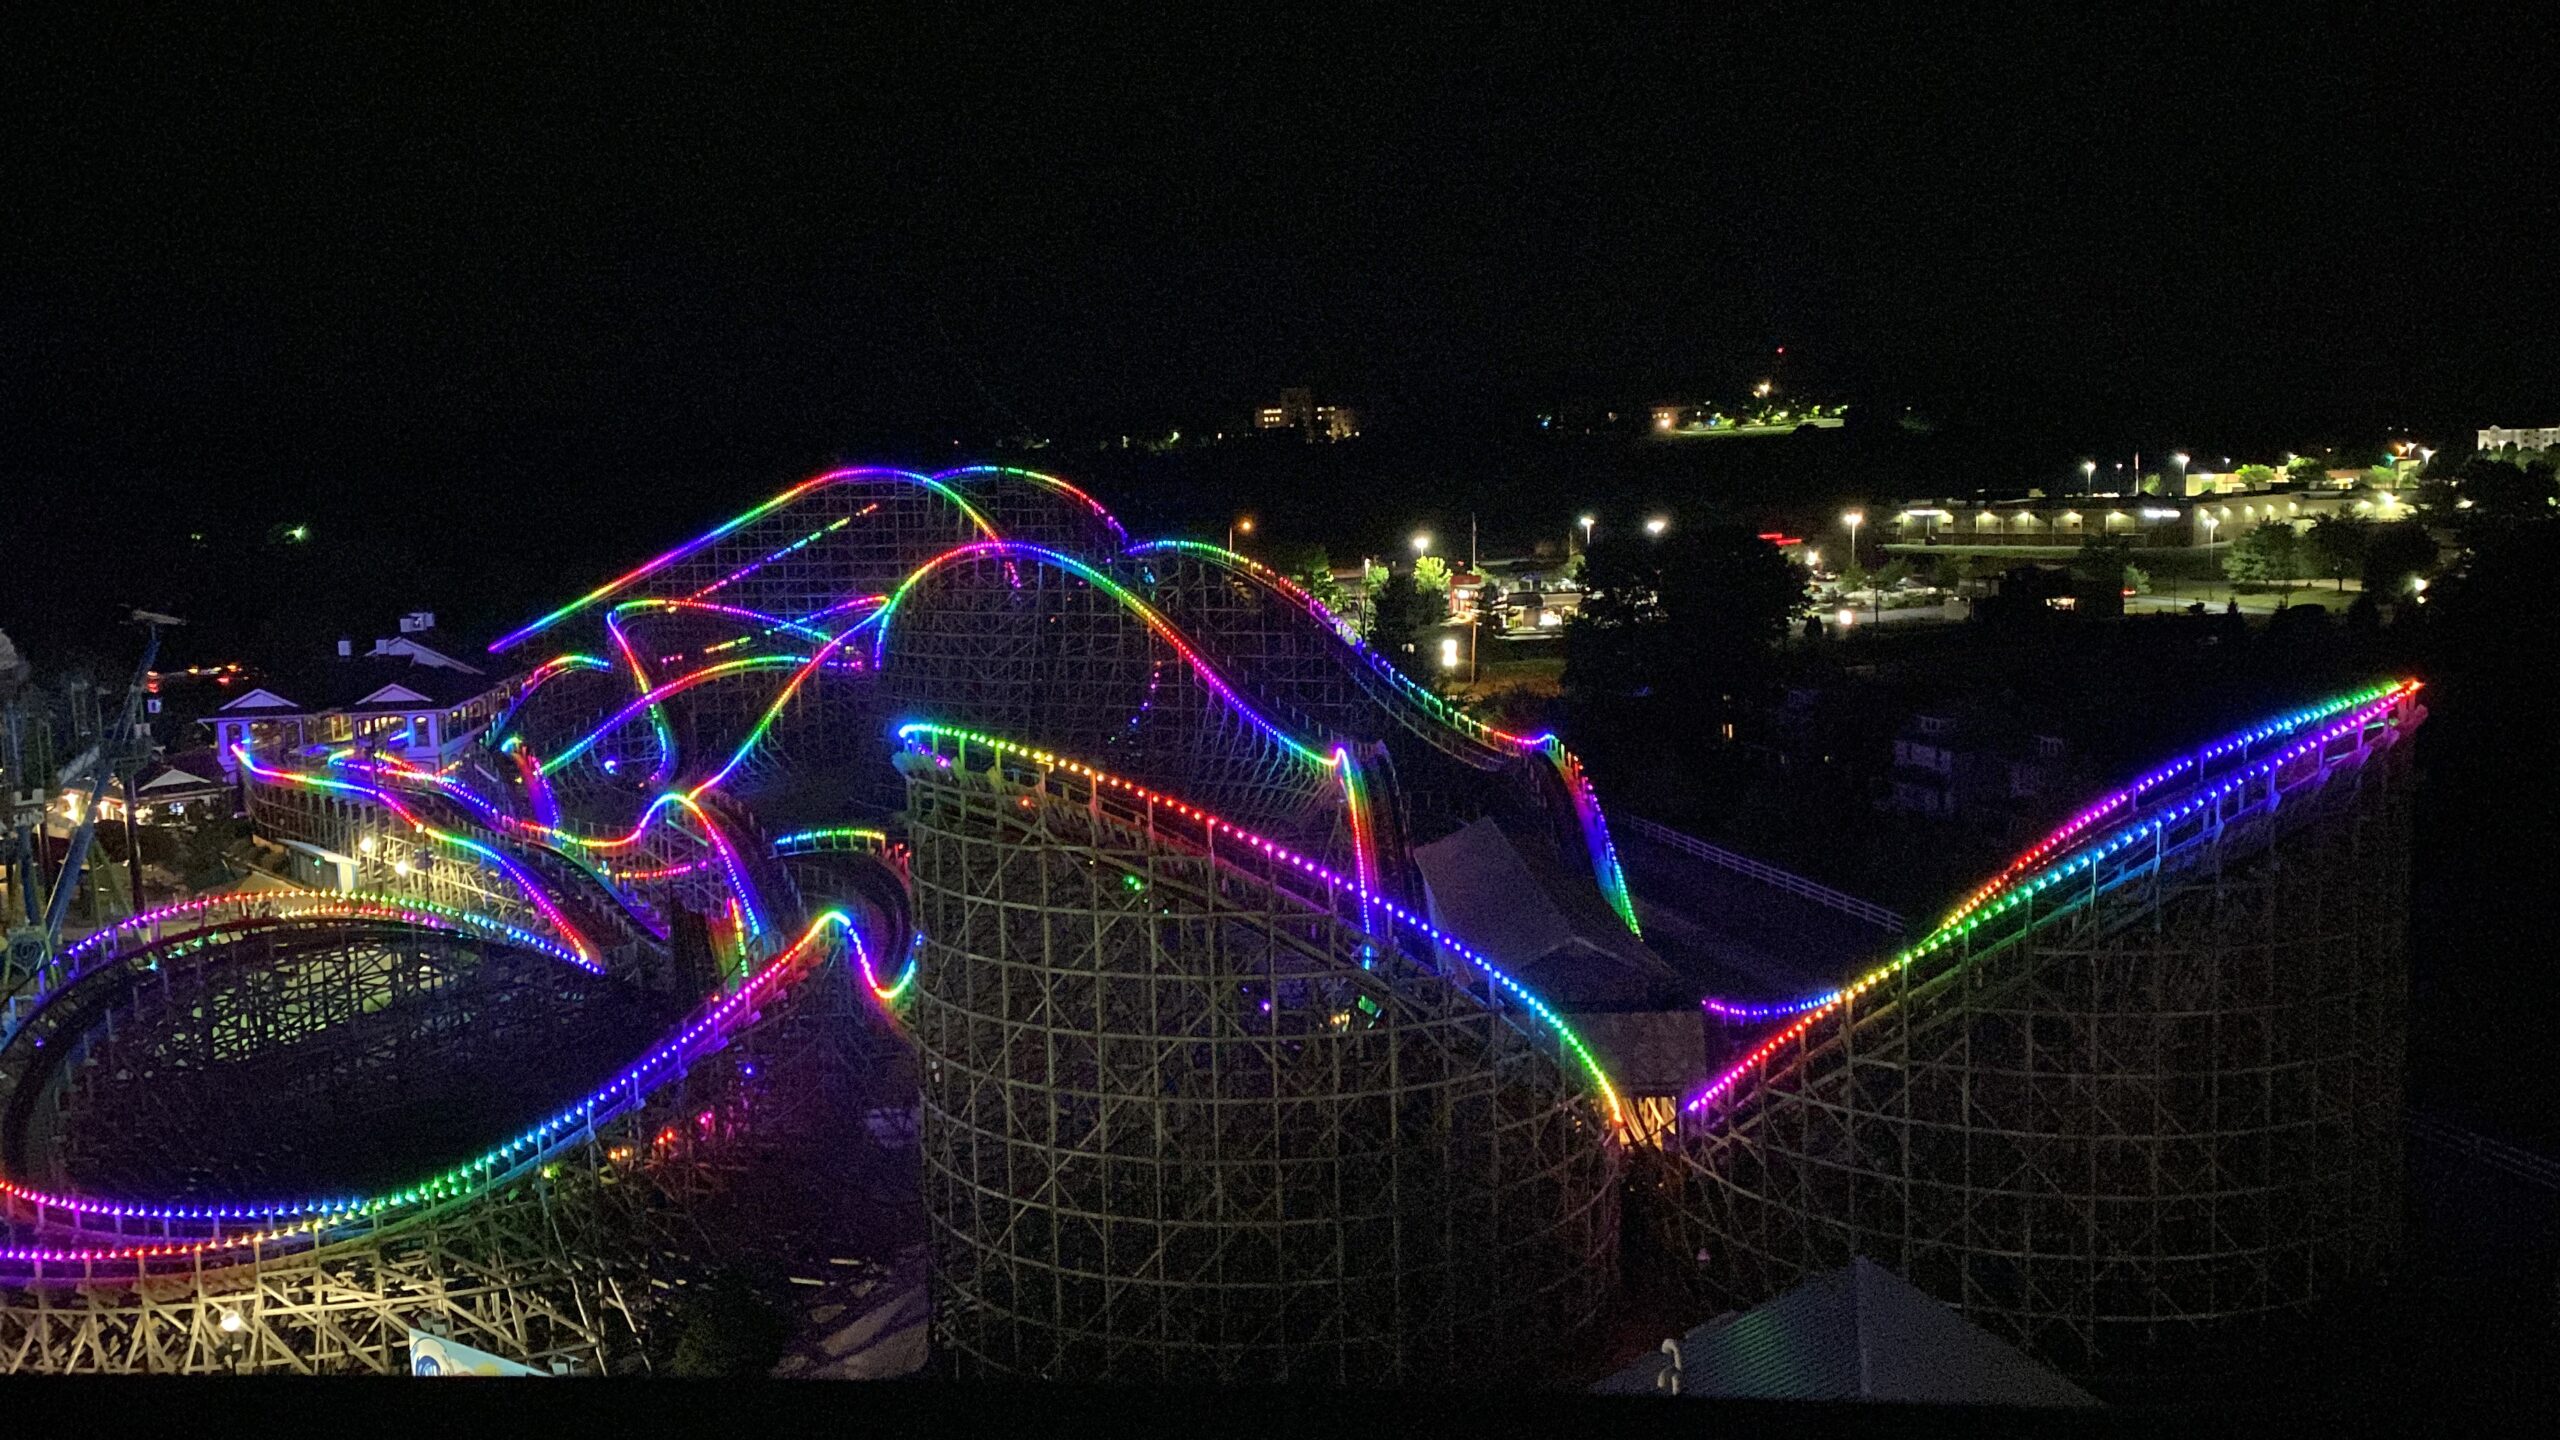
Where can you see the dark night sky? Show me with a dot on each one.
(531, 272)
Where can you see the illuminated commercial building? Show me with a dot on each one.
(1299, 411)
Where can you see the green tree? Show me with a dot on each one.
(2255, 477)
(1314, 572)
(1399, 611)
(2269, 554)
(1431, 577)
(2393, 553)
(1685, 617)
(2151, 484)
(1853, 576)
(2137, 580)
(2335, 546)
(1894, 573)
(2490, 496)
(2306, 471)
(2103, 559)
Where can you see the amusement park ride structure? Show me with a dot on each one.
(1102, 853)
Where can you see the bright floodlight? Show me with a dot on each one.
(1422, 542)
(1656, 525)
(1245, 526)
(1853, 518)
(231, 1322)
(1449, 652)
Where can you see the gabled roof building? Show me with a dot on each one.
(408, 696)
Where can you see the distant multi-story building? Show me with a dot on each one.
(2493, 437)
(1299, 411)
(1976, 770)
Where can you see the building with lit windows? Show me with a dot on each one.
(2149, 522)
(405, 697)
(2498, 437)
(1299, 411)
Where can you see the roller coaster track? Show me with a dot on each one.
(1290, 712)
(1149, 819)
(2213, 807)
(74, 1238)
(1436, 722)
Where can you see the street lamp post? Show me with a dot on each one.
(1241, 525)
(1853, 519)
(2088, 476)
(1585, 522)
(2181, 458)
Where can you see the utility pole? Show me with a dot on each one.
(1475, 618)
(132, 836)
(110, 743)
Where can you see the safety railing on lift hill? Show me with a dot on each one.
(2175, 829)
(1865, 911)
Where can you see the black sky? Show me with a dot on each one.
(525, 265)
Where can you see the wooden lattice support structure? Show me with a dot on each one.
(246, 1056)
(1186, 1120)
(2150, 1113)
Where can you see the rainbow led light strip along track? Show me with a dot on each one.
(1593, 824)
(650, 567)
(2058, 842)
(2375, 704)
(575, 849)
(299, 905)
(1337, 761)
(308, 1217)
(1281, 854)
(584, 953)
